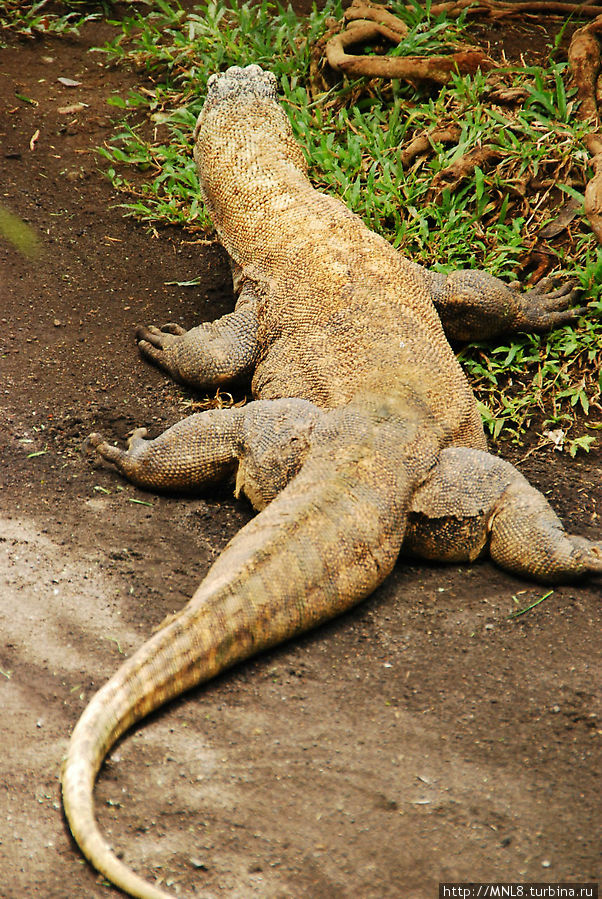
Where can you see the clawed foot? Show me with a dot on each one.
(548, 304)
(158, 345)
(590, 552)
(120, 458)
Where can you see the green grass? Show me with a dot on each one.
(353, 133)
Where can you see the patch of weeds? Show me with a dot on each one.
(551, 379)
(427, 34)
(30, 17)
(500, 214)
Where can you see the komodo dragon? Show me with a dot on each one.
(364, 433)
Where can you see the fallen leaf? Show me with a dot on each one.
(68, 82)
(564, 218)
(34, 137)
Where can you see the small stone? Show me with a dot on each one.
(198, 864)
(546, 863)
(72, 109)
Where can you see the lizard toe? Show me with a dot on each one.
(93, 440)
(565, 294)
(136, 436)
(173, 328)
(151, 352)
(545, 285)
(160, 351)
(154, 353)
(152, 335)
(557, 317)
(97, 444)
(589, 552)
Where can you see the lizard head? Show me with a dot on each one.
(240, 119)
(250, 82)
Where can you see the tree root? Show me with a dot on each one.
(367, 22)
(498, 9)
(593, 198)
(423, 144)
(452, 176)
(585, 59)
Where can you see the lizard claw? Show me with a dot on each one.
(548, 304)
(125, 460)
(158, 345)
(96, 443)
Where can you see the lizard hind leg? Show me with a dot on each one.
(265, 442)
(473, 501)
(198, 450)
(276, 440)
(527, 537)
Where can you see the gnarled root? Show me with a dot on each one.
(585, 58)
(593, 198)
(424, 143)
(499, 9)
(367, 22)
(464, 167)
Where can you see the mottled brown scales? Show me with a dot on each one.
(363, 439)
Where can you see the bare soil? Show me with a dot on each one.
(422, 737)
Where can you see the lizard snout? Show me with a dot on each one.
(238, 81)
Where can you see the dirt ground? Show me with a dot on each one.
(422, 737)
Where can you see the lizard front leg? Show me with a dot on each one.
(211, 354)
(474, 305)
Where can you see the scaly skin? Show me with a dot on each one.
(364, 434)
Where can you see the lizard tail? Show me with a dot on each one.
(322, 545)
